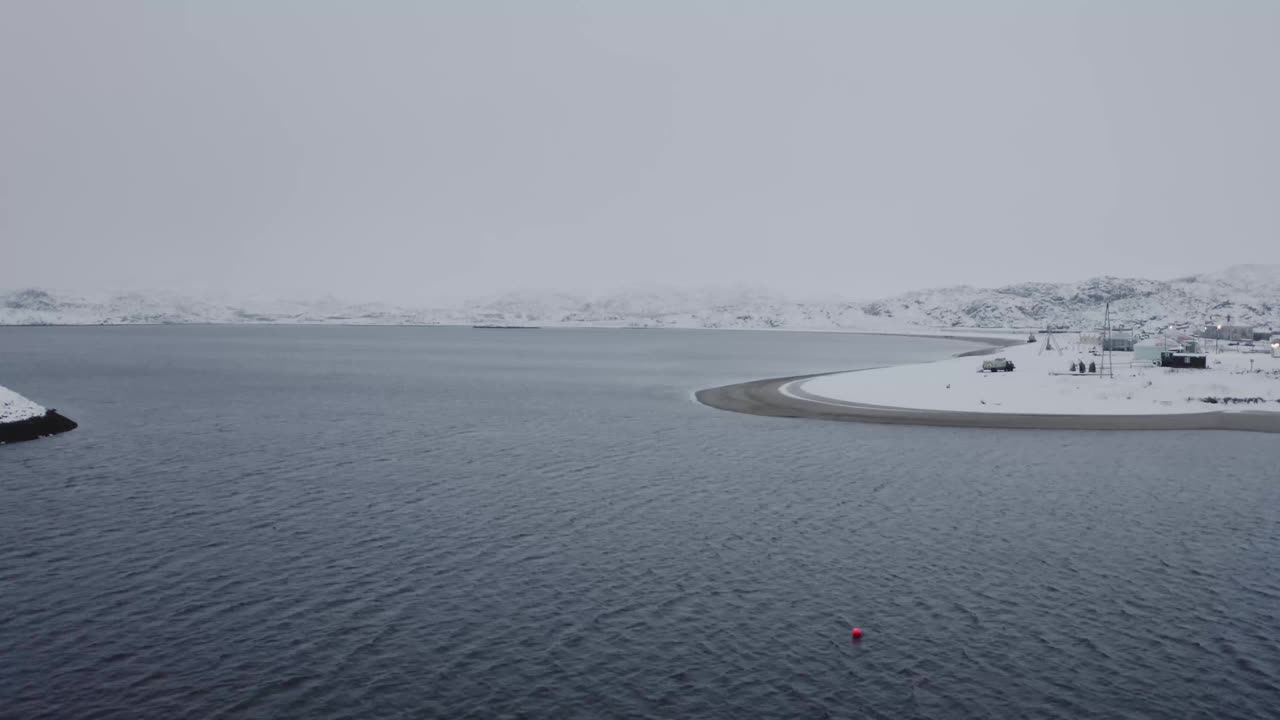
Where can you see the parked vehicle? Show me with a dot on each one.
(997, 365)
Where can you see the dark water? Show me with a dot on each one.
(377, 522)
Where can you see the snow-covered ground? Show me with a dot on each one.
(1042, 383)
(14, 407)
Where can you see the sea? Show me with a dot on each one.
(445, 522)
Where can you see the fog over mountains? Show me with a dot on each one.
(1245, 293)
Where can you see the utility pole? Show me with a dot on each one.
(1107, 355)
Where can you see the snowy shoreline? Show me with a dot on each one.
(1038, 394)
(1043, 383)
(977, 334)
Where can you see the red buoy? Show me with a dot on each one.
(857, 633)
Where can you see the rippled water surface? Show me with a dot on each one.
(446, 522)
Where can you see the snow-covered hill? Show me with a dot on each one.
(1245, 293)
(43, 307)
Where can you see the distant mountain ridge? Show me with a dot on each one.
(1247, 294)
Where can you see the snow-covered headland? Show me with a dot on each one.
(22, 419)
(14, 407)
(1043, 383)
(1236, 391)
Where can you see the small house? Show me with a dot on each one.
(1171, 359)
(1150, 349)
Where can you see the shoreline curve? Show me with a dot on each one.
(773, 398)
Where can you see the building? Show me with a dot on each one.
(1119, 340)
(1147, 354)
(1149, 350)
(1223, 331)
(1183, 360)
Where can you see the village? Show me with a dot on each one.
(1108, 371)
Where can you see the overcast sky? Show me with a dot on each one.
(412, 151)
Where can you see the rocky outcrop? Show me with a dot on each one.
(51, 423)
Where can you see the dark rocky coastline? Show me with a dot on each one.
(51, 423)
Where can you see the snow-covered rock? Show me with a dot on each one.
(14, 407)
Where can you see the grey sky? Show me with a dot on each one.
(411, 151)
